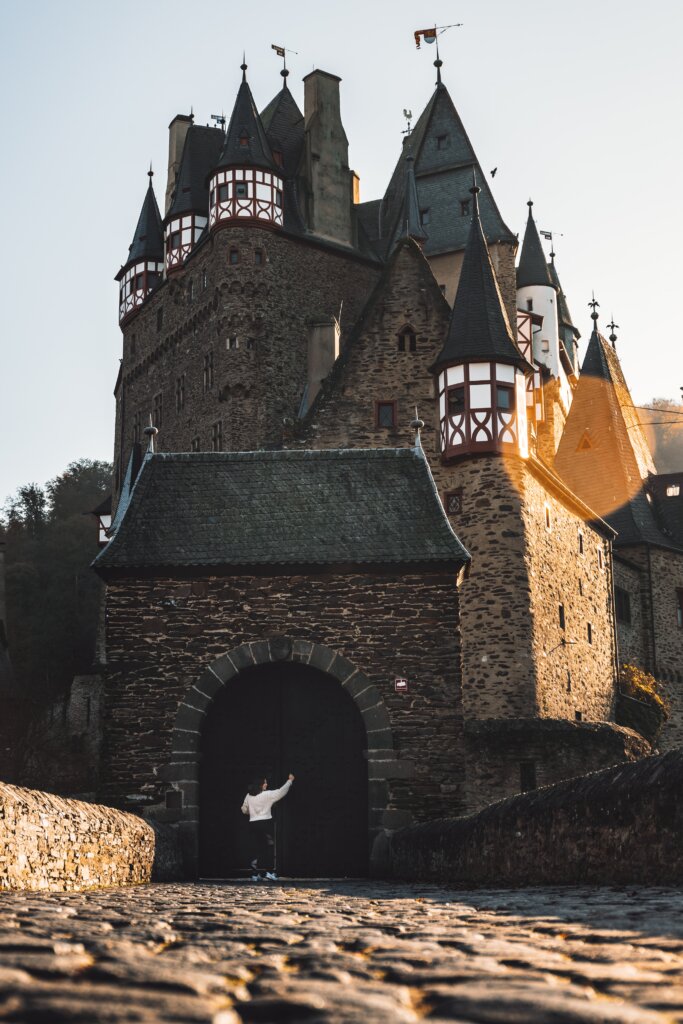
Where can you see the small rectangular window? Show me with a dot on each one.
(139, 282)
(208, 371)
(385, 414)
(258, 257)
(442, 142)
(175, 240)
(580, 543)
(194, 444)
(278, 197)
(530, 305)
(180, 393)
(589, 632)
(548, 520)
(456, 400)
(232, 342)
(578, 716)
(464, 207)
(241, 190)
(212, 197)
(425, 215)
(601, 559)
(453, 502)
(527, 776)
(561, 617)
(217, 437)
(581, 588)
(679, 608)
(222, 193)
(505, 397)
(622, 605)
(233, 257)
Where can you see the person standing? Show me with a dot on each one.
(258, 804)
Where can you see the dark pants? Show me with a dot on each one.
(262, 843)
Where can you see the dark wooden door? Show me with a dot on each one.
(269, 721)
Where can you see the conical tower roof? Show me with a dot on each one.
(410, 222)
(563, 314)
(148, 240)
(201, 150)
(533, 267)
(479, 327)
(283, 123)
(246, 143)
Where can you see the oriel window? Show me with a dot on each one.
(505, 397)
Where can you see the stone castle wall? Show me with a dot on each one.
(267, 306)
(576, 676)
(632, 637)
(666, 579)
(48, 842)
(619, 826)
(385, 625)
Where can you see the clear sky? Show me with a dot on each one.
(577, 104)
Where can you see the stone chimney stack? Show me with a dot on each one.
(326, 157)
(177, 130)
(323, 349)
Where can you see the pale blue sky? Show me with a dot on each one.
(577, 104)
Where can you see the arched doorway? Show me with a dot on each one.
(273, 719)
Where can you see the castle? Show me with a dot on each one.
(419, 617)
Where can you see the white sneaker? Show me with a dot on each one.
(272, 877)
(257, 878)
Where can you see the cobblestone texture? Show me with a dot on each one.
(342, 951)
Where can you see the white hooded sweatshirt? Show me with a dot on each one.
(259, 807)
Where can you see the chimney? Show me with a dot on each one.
(323, 349)
(177, 130)
(326, 160)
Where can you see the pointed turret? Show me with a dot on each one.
(188, 212)
(410, 222)
(481, 383)
(569, 334)
(603, 454)
(536, 294)
(246, 182)
(144, 266)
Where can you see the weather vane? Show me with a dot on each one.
(408, 114)
(548, 235)
(219, 119)
(613, 327)
(282, 52)
(594, 304)
(431, 35)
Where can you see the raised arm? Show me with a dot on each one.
(277, 794)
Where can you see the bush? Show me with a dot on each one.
(640, 685)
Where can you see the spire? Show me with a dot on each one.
(412, 222)
(613, 337)
(246, 144)
(479, 327)
(148, 240)
(533, 268)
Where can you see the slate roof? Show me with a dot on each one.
(283, 508)
(148, 240)
(245, 125)
(564, 316)
(409, 224)
(533, 266)
(603, 454)
(479, 327)
(283, 123)
(201, 151)
(668, 507)
(443, 178)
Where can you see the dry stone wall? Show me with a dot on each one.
(49, 842)
(619, 826)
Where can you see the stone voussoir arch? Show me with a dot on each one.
(182, 771)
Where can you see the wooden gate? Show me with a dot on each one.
(272, 720)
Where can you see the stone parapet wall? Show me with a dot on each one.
(51, 843)
(623, 825)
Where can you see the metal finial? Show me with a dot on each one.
(150, 172)
(613, 327)
(150, 432)
(244, 66)
(594, 304)
(417, 424)
(530, 203)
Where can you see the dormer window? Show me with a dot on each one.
(244, 139)
(464, 207)
(425, 215)
(278, 158)
(442, 142)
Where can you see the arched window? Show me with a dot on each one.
(407, 339)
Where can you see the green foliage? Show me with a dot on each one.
(52, 594)
(634, 682)
(664, 432)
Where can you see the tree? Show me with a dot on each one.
(52, 595)
(664, 431)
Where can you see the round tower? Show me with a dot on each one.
(480, 371)
(145, 264)
(188, 212)
(537, 294)
(246, 183)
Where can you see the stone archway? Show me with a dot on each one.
(183, 769)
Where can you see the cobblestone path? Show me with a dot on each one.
(341, 951)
